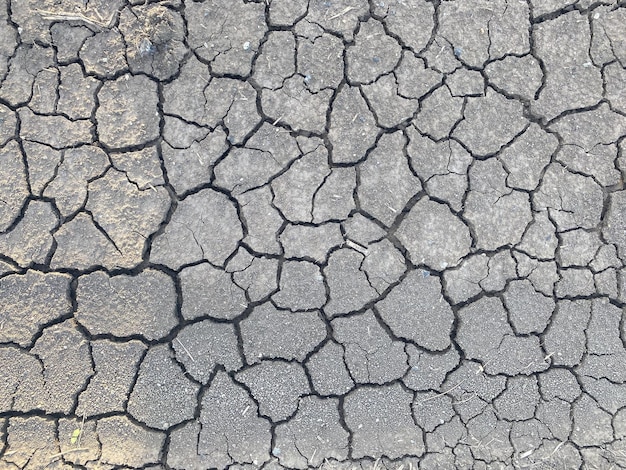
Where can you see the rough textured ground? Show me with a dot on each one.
(312, 234)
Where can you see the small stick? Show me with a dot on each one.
(442, 393)
(355, 246)
(557, 448)
(185, 349)
(340, 14)
(525, 454)
(65, 16)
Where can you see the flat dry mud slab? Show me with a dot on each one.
(301, 234)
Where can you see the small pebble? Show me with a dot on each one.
(246, 45)
(145, 46)
(458, 51)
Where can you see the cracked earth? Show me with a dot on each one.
(294, 234)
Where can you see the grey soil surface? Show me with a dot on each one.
(312, 234)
